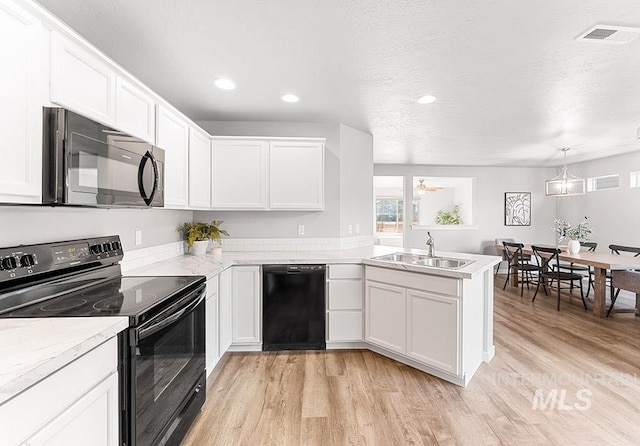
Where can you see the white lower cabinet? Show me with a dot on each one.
(418, 318)
(77, 405)
(433, 332)
(246, 308)
(386, 310)
(224, 310)
(344, 304)
(212, 324)
(90, 420)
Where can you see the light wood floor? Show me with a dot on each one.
(361, 398)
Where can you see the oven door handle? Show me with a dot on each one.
(144, 331)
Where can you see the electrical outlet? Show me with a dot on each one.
(300, 229)
(350, 229)
(138, 237)
(358, 228)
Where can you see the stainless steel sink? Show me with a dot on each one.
(399, 257)
(422, 260)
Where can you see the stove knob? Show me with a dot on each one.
(9, 263)
(106, 247)
(116, 245)
(96, 249)
(27, 260)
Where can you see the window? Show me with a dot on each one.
(438, 197)
(605, 182)
(389, 211)
(634, 179)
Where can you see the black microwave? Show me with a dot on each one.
(86, 163)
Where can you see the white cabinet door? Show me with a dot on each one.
(433, 330)
(239, 174)
(199, 169)
(22, 47)
(81, 80)
(172, 135)
(79, 399)
(344, 326)
(385, 309)
(91, 420)
(224, 314)
(246, 304)
(296, 175)
(211, 347)
(135, 111)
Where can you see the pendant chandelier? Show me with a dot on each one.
(565, 184)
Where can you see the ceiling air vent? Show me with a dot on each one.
(612, 34)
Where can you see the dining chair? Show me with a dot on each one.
(518, 263)
(545, 257)
(618, 250)
(580, 269)
(501, 252)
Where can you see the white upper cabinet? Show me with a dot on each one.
(257, 173)
(135, 111)
(239, 174)
(172, 135)
(23, 47)
(296, 175)
(81, 80)
(199, 169)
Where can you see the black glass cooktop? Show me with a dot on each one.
(120, 296)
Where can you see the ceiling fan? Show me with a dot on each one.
(422, 188)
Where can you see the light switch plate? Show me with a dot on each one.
(300, 229)
(138, 237)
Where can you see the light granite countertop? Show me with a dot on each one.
(32, 349)
(209, 265)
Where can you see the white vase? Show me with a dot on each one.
(573, 247)
(199, 247)
(216, 251)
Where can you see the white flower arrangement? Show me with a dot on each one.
(581, 232)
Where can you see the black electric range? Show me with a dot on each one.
(162, 352)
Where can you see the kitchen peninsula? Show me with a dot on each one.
(438, 320)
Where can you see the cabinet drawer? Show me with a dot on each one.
(345, 271)
(424, 282)
(345, 294)
(345, 326)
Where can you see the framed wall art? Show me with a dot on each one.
(517, 208)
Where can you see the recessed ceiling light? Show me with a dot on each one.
(427, 99)
(290, 98)
(224, 84)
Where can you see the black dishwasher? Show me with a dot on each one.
(293, 307)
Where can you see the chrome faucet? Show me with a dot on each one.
(430, 247)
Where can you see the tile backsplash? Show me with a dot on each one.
(146, 256)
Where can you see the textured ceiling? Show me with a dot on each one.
(513, 87)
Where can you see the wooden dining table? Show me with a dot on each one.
(600, 262)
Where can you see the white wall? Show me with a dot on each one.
(345, 148)
(356, 181)
(614, 214)
(41, 224)
(490, 185)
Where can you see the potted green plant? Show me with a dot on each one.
(576, 235)
(448, 217)
(197, 235)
